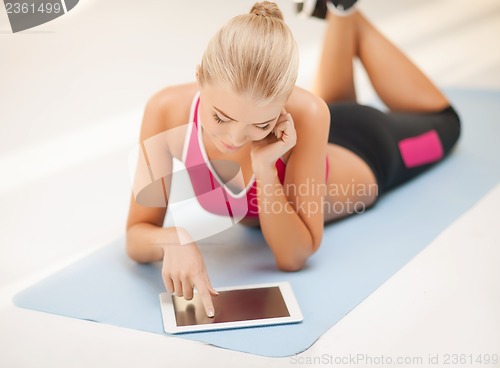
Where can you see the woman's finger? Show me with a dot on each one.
(187, 289)
(169, 285)
(178, 287)
(283, 127)
(209, 285)
(206, 299)
(279, 128)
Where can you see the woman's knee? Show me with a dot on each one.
(450, 128)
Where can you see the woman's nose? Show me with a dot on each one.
(238, 136)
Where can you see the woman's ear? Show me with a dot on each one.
(198, 76)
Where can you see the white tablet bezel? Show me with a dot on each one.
(170, 325)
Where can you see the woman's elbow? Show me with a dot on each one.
(134, 251)
(295, 262)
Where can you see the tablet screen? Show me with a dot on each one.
(232, 306)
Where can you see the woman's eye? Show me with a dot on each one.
(263, 127)
(218, 119)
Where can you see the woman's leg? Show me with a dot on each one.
(334, 78)
(334, 82)
(352, 185)
(374, 151)
(400, 84)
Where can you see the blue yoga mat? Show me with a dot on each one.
(358, 254)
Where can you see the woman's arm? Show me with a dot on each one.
(291, 215)
(147, 240)
(144, 225)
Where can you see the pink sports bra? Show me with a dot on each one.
(212, 193)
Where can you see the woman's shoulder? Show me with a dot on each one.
(302, 101)
(174, 103)
(167, 112)
(307, 108)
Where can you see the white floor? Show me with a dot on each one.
(67, 86)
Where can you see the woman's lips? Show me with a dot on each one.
(230, 147)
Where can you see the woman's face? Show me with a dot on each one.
(231, 121)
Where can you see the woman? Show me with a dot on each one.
(245, 108)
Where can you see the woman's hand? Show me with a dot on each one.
(183, 268)
(266, 151)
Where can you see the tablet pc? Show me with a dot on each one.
(235, 307)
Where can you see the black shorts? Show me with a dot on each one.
(396, 145)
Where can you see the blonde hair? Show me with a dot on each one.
(253, 54)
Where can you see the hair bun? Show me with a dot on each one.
(267, 9)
